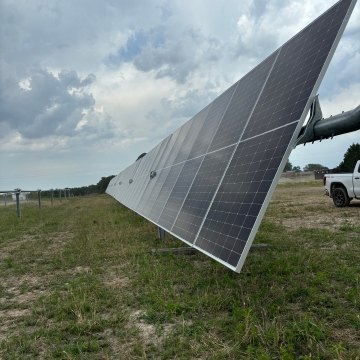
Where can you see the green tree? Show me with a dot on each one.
(351, 156)
(288, 166)
(312, 167)
(99, 188)
(103, 183)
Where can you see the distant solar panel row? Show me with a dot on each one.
(209, 182)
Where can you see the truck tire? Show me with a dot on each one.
(340, 197)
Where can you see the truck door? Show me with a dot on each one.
(357, 180)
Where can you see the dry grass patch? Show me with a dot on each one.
(85, 285)
(58, 241)
(307, 207)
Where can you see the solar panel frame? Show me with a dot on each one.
(291, 145)
(247, 135)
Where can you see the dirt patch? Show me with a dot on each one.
(9, 319)
(81, 270)
(148, 332)
(120, 350)
(115, 346)
(14, 313)
(116, 282)
(27, 280)
(307, 207)
(15, 298)
(58, 242)
(351, 336)
(297, 178)
(20, 292)
(28, 297)
(318, 221)
(4, 255)
(16, 243)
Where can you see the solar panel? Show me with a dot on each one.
(212, 179)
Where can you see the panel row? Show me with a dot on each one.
(209, 182)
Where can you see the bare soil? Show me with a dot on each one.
(308, 207)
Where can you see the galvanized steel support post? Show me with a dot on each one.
(161, 233)
(17, 194)
(39, 198)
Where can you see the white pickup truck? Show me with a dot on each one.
(342, 188)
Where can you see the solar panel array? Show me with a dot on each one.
(209, 182)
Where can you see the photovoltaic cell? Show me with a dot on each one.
(151, 162)
(152, 191)
(216, 111)
(175, 153)
(215, 175)
(196, 125)
(242, 193)
(241, 105)
(295, 73)
(199, 197)
(178, 193)
(165, 191)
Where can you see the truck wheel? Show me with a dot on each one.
(340, 197)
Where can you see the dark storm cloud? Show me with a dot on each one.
(45, 104)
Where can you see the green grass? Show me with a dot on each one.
(79, 281)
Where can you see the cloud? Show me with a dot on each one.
(48, 104)
(168, 53)
(117, 76)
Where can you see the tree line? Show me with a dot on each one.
(351, 156)
(99, 188)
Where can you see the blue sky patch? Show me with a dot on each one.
(134, 45)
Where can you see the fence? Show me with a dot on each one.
(17, 196)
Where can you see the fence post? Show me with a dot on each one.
(17, 194)
(52, 196)
(60, 194)
(39, 198)
(5, 198)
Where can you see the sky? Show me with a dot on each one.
(86, 86)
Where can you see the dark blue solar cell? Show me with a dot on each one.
(242, 192)
(201, 192)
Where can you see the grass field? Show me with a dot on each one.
(79, 280)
